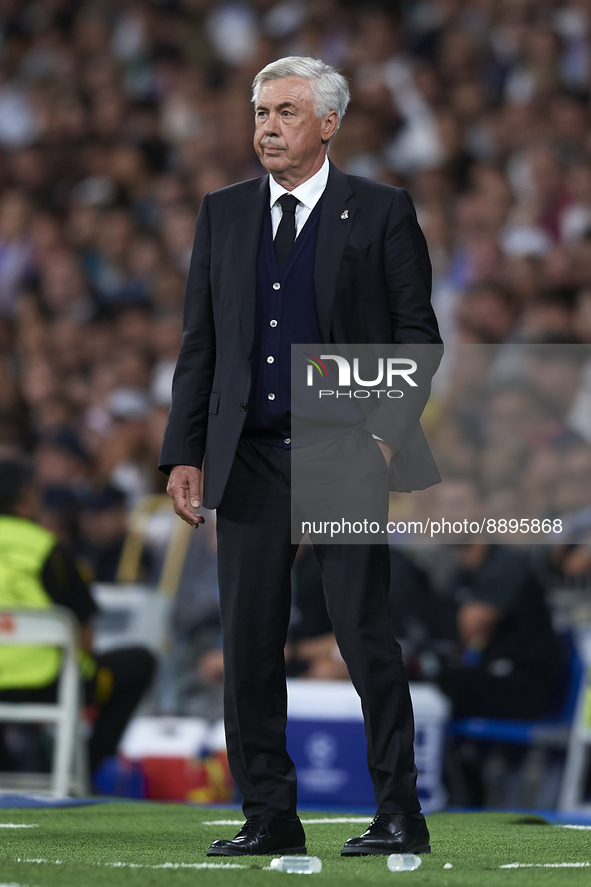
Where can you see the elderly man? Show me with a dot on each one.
(305, 254)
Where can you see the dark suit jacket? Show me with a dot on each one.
(372, 279)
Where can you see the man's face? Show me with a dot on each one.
(289, 138)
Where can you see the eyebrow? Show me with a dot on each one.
(288, 104)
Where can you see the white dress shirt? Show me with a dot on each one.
(308, 193)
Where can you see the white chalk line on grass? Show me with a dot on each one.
(546, 865)
(337, 820)
(135, 865)
(18, 825)
(173, 865)
(582, 827)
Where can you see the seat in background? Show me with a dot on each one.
(56, 627)
(541, 736)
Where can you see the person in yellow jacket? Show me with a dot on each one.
(37, 571)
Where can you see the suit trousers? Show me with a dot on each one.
(255, 556)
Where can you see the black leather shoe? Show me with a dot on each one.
(391, 833)
(262, 836)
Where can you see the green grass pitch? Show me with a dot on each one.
(157, 845)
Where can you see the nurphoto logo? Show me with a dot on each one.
(387, 370)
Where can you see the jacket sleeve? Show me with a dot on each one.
(416, 334)
(186, 429)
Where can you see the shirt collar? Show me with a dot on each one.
(309, 192)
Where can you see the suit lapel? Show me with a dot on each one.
(247, 229)
(336, 218)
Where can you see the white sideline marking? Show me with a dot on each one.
(137, 865)
(18, 825)
(582, 827)
(341, 820)
(173, 865)
(547, 865)
(40, 861)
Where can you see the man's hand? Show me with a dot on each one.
(184, 488)
(387, 450)
(211, 668)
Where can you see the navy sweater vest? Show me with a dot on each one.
(285, 314)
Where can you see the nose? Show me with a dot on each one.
(270, 127)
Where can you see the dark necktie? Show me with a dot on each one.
(287, 228)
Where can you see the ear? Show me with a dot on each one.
(329, 125)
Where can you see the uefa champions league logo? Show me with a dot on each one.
(322, 750)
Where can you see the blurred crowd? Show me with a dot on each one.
(117, 117)
(510, 427)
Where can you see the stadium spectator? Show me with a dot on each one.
(504, 660)
(191, 677)
(36, 570)
(102, 528)
(508, 660)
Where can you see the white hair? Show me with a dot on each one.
(329, 88)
